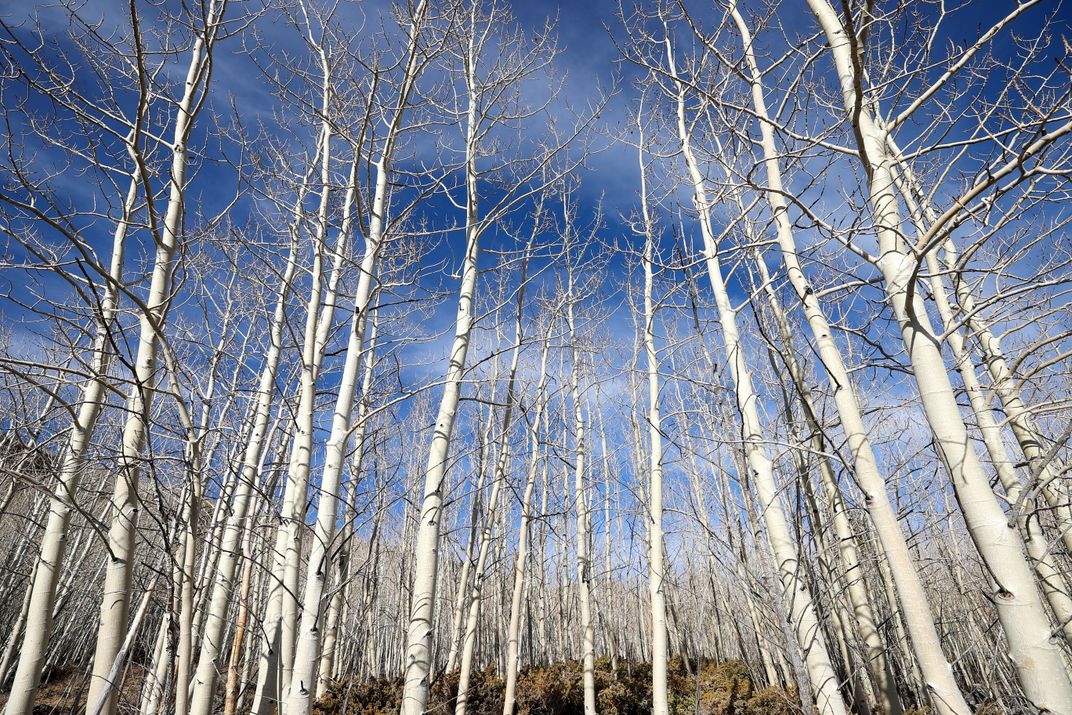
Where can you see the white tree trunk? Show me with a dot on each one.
(502, 463)
(307, 653)
(513, 635)
(418, 657)
(1005, 384)
(802, 614)
(115, 603)
(580, 502)
(1038, 659)
(944, 691)
(656, 569)
(215, 627)
(419, 632)
(280, 617)
(41, 591)
(338, 608)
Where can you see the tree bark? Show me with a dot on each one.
(1039, 661)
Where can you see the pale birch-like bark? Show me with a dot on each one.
(307, 654)
(656, 568)
(184, 567)
(608, 618)
(418, 663)
(115, 602)
(945, 693)
(281, 611)
(231, 685)
(1039, 661)
(100, 704)
(802, 614)
(329, 655)
(41, 592)
(15, 636)
(520, 561)
(502, 463)
(280, 617)
(1051, 579)
(325, 304)
(580, 498)
(457, 624)
(479, 111)
(1020, 417)
(215, 627)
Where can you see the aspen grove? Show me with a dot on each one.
(692, 357)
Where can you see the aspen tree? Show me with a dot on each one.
(803, 617)
(871, 597)
(330, 654)
(222, 582)
(502, 462)
(513, 635)
(37, 614)
(41, 594)
(184, 567)
(307, 655)
(656, 568)
(457, 628)
(581, 505)
(1052, 582)
(482, 76)
(234, 670)
(122, 532)
(1038, 659)
(1021, 418)
(419, 633)
(313, 651)
(276, 661)
(946, 695)
(99, 705)
(281, 610)
(1005, 386)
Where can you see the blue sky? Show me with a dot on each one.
(589, 59)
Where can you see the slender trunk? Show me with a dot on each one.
(307, 654)
(1038, 659)
(520, 562)
(946, 691)
(215, 626)
(1020, 416)
(418, 658)
(331, 640)
(457, 623)
(280, 617)
(42, 589)
(100, 703)
(115, 602)
(281, 611)
(234, 665)
(502, 463)
(1051, 579)
(656, 571)
(580, 504)
(802, 613)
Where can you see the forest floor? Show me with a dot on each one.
(65, 691)
(622, 688)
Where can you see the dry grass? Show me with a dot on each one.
(718, 689)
